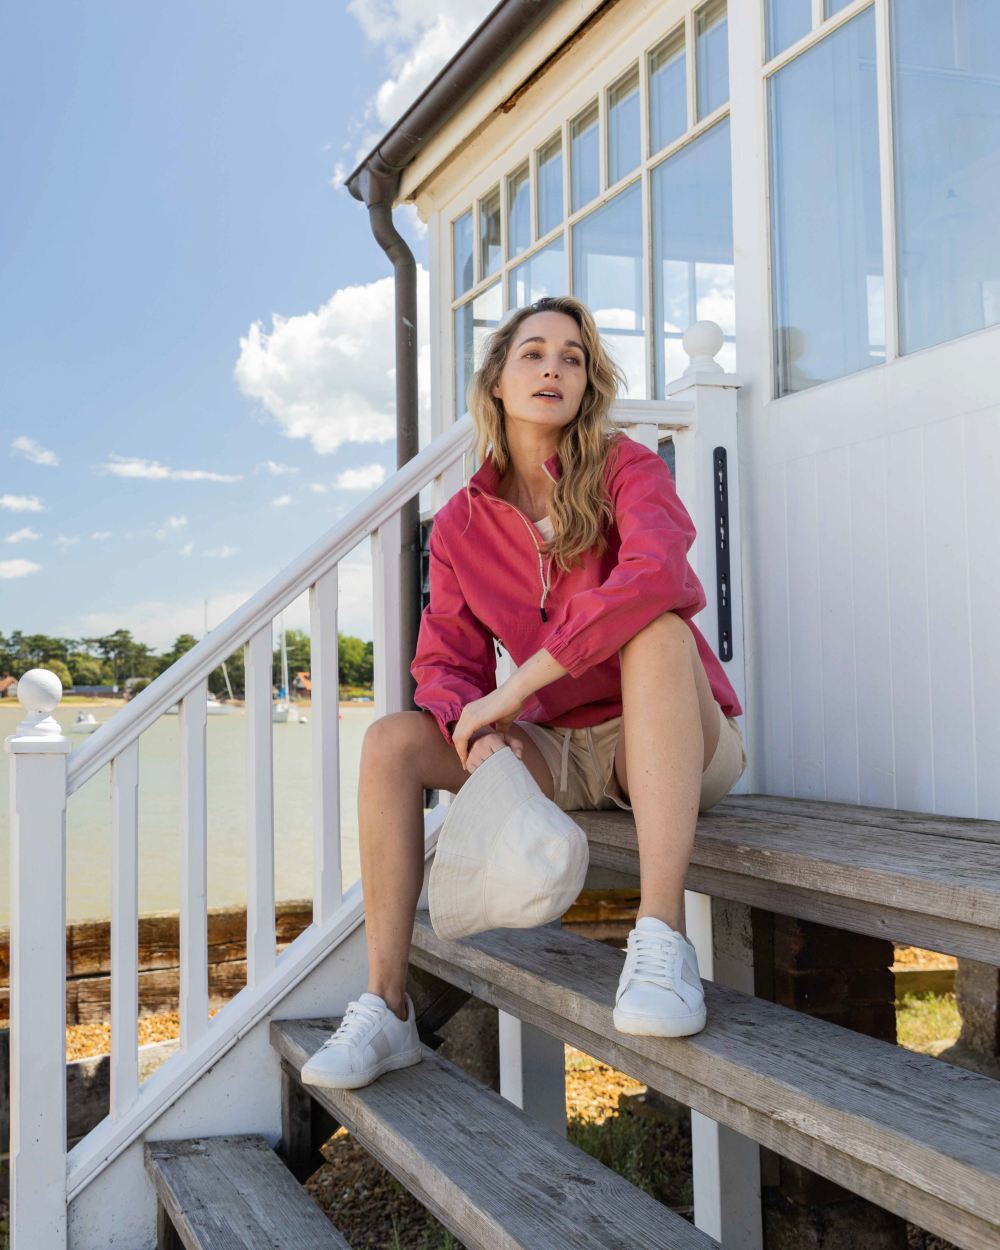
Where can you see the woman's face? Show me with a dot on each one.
(545, 354)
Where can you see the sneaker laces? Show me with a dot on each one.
(357, 1018)
(654, 956)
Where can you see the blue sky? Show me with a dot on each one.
(189, 294)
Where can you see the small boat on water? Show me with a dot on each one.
(85, 723)
(212, 707)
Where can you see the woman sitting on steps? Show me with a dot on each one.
(569, 545)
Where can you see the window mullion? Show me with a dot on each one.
(883, 76)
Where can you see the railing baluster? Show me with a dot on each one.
(261, 941)
(194, 867)
(324, 665)
(38, 750)
(124, 930)
(388, 654)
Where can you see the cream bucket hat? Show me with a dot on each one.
(506, 856)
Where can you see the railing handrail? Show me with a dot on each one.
(219, 643)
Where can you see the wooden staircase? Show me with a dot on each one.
(910, 1133)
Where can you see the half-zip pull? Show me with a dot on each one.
(543, 574)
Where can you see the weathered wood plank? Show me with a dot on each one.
(234, 1193)
(937, 891)
(497, 1178)
(966, 828)
(906, 1131)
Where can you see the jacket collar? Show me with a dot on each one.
(487, 479)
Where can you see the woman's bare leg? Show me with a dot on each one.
(670, 724)
(403, 754)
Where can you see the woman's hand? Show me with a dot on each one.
(485, 743)
(495, 711)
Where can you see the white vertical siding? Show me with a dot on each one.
(878, 605)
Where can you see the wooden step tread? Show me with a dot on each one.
(907, 1131)
(231, 1192)
(933, 882)
(497, 1178)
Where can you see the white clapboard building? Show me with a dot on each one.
(783, 214)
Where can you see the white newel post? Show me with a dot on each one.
(726, 1165)
(38, 751)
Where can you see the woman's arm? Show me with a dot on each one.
(454, 662)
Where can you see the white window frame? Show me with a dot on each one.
(595, 82)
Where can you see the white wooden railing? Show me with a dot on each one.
(45, 772)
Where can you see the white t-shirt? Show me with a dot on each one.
(545, 526)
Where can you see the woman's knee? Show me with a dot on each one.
(392, 734)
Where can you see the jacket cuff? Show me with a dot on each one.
(561, 648)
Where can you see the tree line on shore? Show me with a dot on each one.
(110, 660)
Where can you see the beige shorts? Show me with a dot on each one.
(582, 763)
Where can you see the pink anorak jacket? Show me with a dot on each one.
(490, 579)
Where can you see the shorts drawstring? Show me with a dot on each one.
(593, 752)
(564, 769)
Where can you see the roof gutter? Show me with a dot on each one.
(376, 183)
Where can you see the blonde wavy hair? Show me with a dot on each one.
(580, 504)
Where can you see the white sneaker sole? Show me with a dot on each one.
(357, 1079)
(658, 1026)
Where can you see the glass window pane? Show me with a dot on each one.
(544, 273)
(461, 236)
(946, 117)
(834, 6)
(549, 180)
(585, 156)
(667, 91)
(608, 277)
(785, 21)
(624, 143)
(489, 233)
(473, 321)
(712, 59)
(692, 207)
(518, 214)
(826, 221)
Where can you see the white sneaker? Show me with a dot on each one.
(660, 991)
(370, 1040)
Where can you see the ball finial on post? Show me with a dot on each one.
(39, 692)
(703, 341)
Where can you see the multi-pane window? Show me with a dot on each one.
(584, 157)
(692, 210)
(608, 276)
(946, 129)
(785, 21)
(545, 225)
(489, 233)
(549, 178)
(667, 91)
(543, 273)
(826, 252)
(472, 322)
(518, 211)
(712, 50)
(624, 142)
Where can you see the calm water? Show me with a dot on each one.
(88, 814)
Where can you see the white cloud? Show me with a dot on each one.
(21, 503)
(170, 526)
(318, 488)
(101, 535)
(276, 469)
(65, 541)
(282, 501)
(365, 477)
(34, 451)
(186, 549)
(22, 535)
(329, 376)
(17, 568)
(223, 552)
(136, 467)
